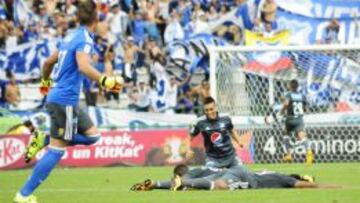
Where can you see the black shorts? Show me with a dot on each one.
(294, 124)
(66, 121)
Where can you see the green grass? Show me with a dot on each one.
(7, 123)
(112, 185)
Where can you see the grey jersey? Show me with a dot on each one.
(200, 172)
(241, 178)
(297, 102)
(217, 136)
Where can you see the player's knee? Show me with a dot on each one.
(94, 138)
(57, 143)
(91, 131)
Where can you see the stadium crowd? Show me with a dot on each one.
(136, 31)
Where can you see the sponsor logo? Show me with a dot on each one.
(326, 146)
(216, 138)
(11, 150)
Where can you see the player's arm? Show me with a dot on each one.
(235, 136)
(49, 65)
(189, 153)
(111, 83)
(83, 61)
(193, 132)
(285, 105)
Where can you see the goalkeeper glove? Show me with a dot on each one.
(45, 86)
(112, 83)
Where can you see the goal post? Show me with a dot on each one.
(249, 82)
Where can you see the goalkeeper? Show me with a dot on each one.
(69, 124)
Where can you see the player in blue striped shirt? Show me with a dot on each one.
(69, 125)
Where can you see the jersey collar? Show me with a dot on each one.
(91, 34)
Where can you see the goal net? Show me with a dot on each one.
(250, 82)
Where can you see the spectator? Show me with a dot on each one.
(90, 91)
(4, 31)
(130, 51)
(138, 28)
(202, 90)
(258, 26)
(14, 36)
(197, 11)
(213, 15)
(173, 4)
(44, 18)
(21, 129)
(113, 98)
(70, 9)
(128, 5)
(184, 11)
(198, 25)
(12, 92)
(172, 92)
(118, 22)
(185, 102)
(140, 98)
(268, 11)
(230, 32)
(268, 32)
(151, 15)
(332, 32)
(3, 103)
(173, 30)
(223, 10)
(163, 9)
(60, 24)
(216, 4)
(152, 52)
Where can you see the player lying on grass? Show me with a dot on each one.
(231, 179)
(190, 173)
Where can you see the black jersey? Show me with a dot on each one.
(217, 136)
(296, 106)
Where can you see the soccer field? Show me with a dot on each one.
(112, 185)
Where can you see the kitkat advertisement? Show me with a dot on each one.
(117, 148)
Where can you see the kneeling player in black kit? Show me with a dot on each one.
(218, 132)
